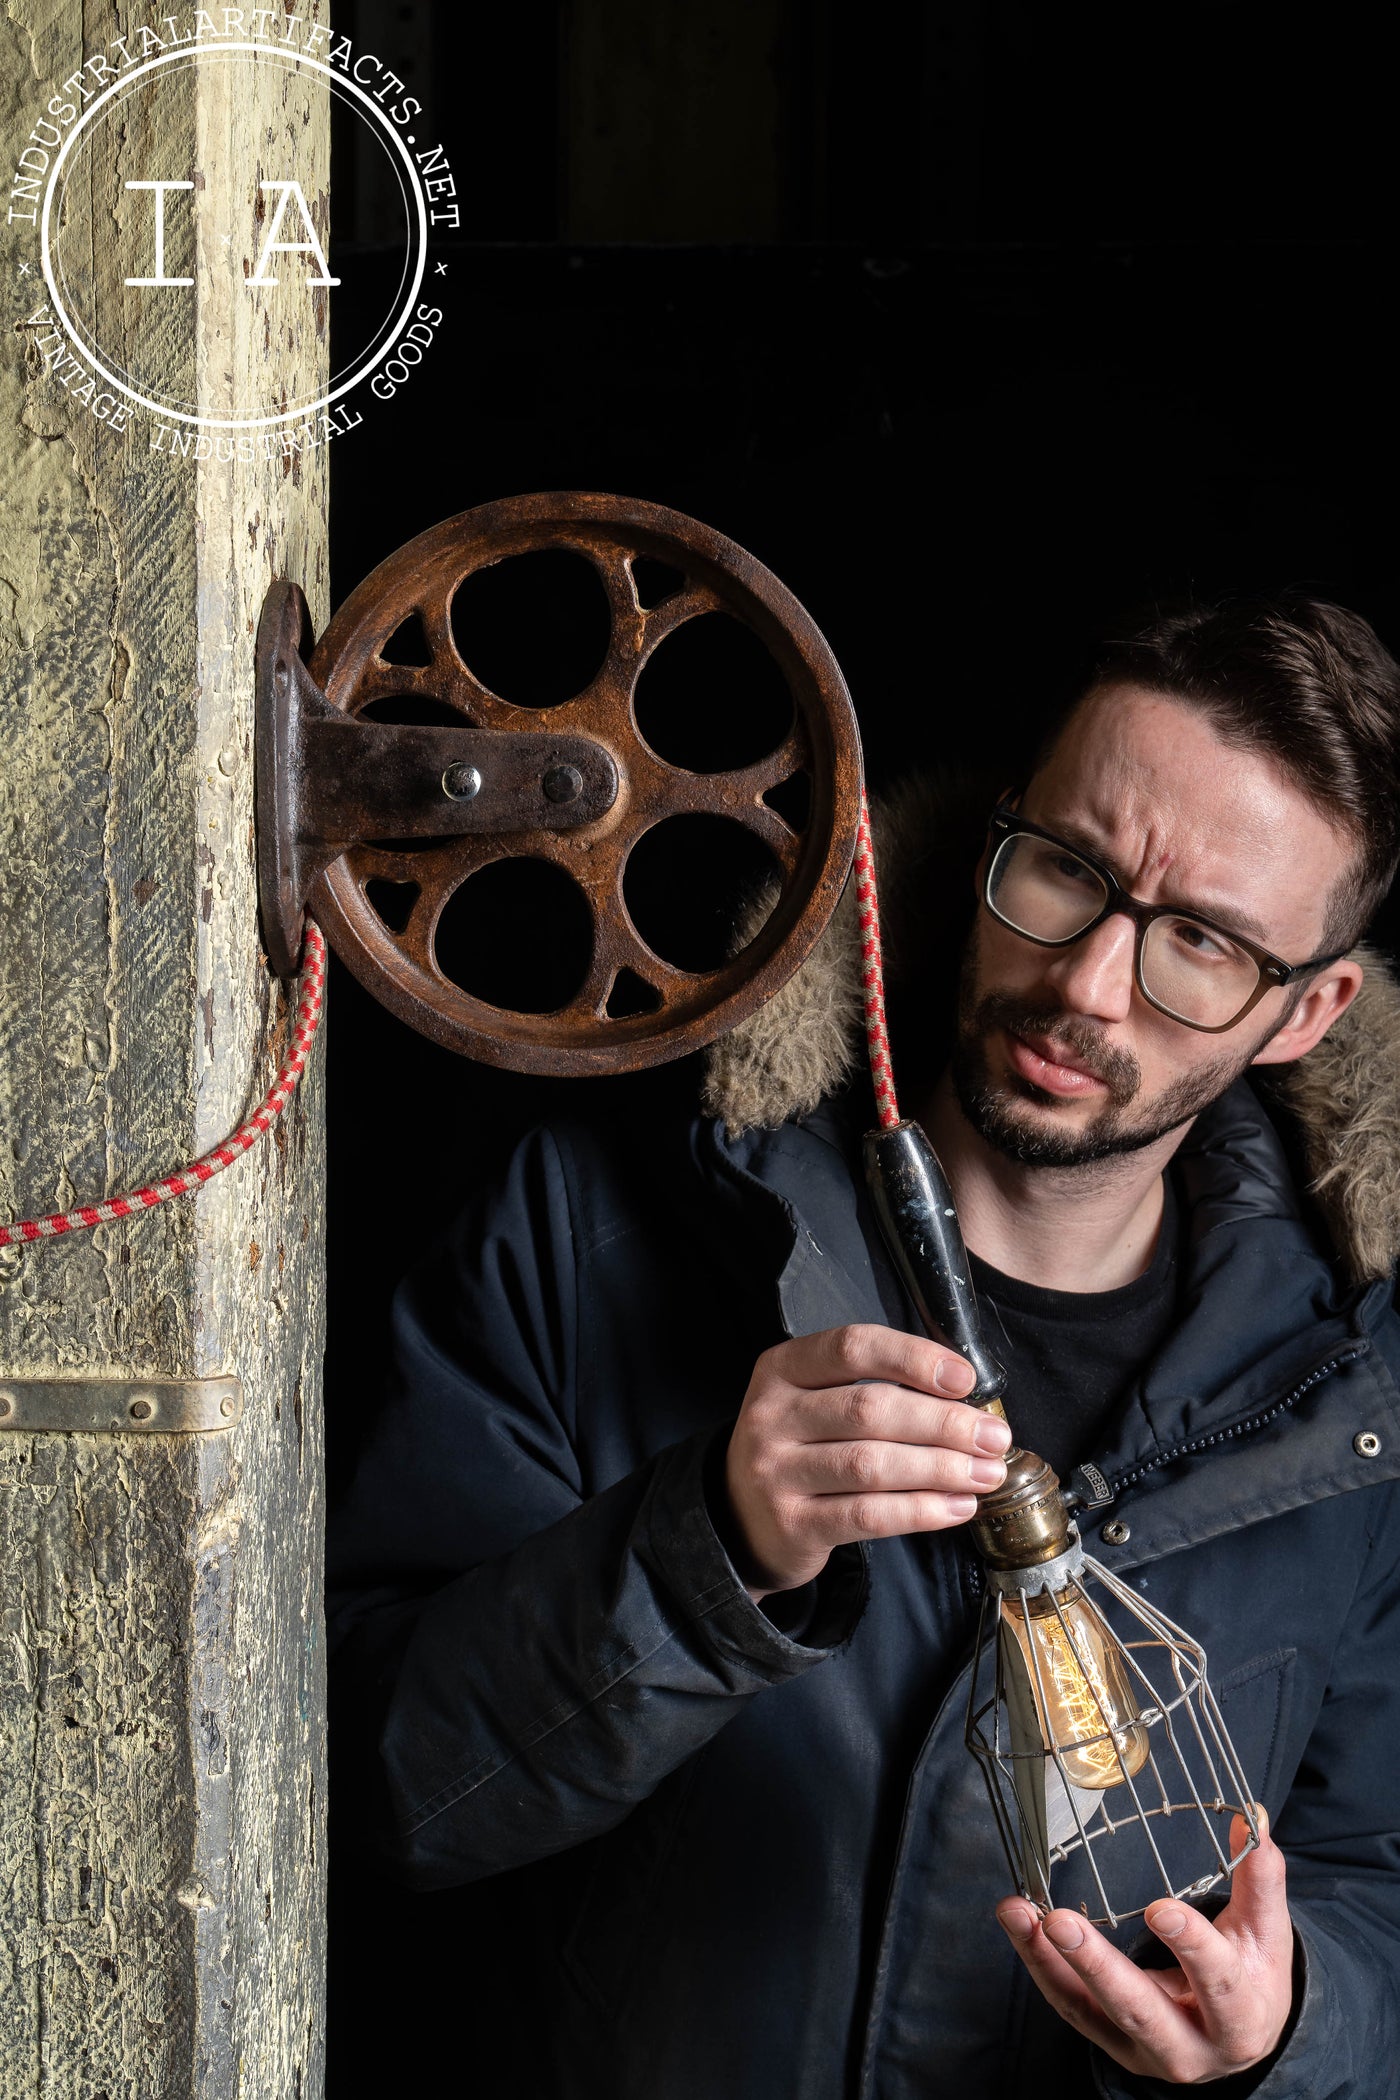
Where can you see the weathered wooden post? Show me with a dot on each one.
(161, 1713)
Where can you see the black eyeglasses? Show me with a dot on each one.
(1189, 968)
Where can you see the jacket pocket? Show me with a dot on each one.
(1255, 1702)
(601, 1949)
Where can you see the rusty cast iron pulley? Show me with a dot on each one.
(344, 799)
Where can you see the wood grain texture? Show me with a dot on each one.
(161, 1701)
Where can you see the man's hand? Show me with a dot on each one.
(842, 1437)
(1222, 2010)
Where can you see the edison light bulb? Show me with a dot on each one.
(1083, 1700)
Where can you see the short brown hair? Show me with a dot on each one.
(1305, 682)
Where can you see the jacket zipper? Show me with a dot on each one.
(973, 1577)
(1245, 1428)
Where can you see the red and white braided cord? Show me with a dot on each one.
(872, 976)
(309, 993)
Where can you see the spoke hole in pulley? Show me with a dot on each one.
(712, 698)
(631, 995)
(792, 799)
(518, 934)
(534, 629)
(416, 710)
(392, 900)
(407, 645)
(653, 582)
(686, 884)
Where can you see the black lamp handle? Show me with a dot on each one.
(919, 1221)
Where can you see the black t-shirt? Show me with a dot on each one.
(1071, 1356)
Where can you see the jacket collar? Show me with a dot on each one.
(1340, 1105)
(1290, 1190)
(1257, 1401)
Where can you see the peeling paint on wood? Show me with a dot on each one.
(161, 1703)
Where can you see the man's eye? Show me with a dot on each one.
(1074, 870)
(1203, 945)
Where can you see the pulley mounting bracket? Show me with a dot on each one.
(358, 806)
(329, 781)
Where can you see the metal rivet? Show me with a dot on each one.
(228, 761)
(1367, 1444)
(461, 781)
(1115, 1534)
(140, 1410)
(563, 783)
(7, 1405)
(226, 1404)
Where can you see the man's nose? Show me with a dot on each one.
(1094, 976)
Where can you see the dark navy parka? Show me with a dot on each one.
(775, 1861)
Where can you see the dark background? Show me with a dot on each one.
(978, 323)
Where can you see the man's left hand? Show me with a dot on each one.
(1224, 2008)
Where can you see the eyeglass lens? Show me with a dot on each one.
(1044, 891)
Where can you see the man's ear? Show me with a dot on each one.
(1324, 1001)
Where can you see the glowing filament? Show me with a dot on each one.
(1084, 1701)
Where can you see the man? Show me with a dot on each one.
(633, 1589)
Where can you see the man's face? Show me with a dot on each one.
(1060, 1060)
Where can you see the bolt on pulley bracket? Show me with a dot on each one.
(328, 781)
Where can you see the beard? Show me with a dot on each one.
(1002, 1110)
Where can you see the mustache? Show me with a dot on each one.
(1083, 1040)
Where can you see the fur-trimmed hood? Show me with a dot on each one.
(804, 1042)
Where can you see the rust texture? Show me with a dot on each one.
(625, 788)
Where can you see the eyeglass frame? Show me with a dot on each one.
(1273, 970)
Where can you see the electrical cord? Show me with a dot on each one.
(872, 974)
(310, 991)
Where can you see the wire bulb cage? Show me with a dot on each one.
(1097, 1732)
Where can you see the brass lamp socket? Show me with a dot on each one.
(1024, 1521)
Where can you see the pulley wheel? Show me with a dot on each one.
(399, 964)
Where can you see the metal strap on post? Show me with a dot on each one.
(120, 1406)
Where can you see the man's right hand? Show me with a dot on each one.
(856, 1433)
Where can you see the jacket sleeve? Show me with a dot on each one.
(517, 1663)
(1340, 1834)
